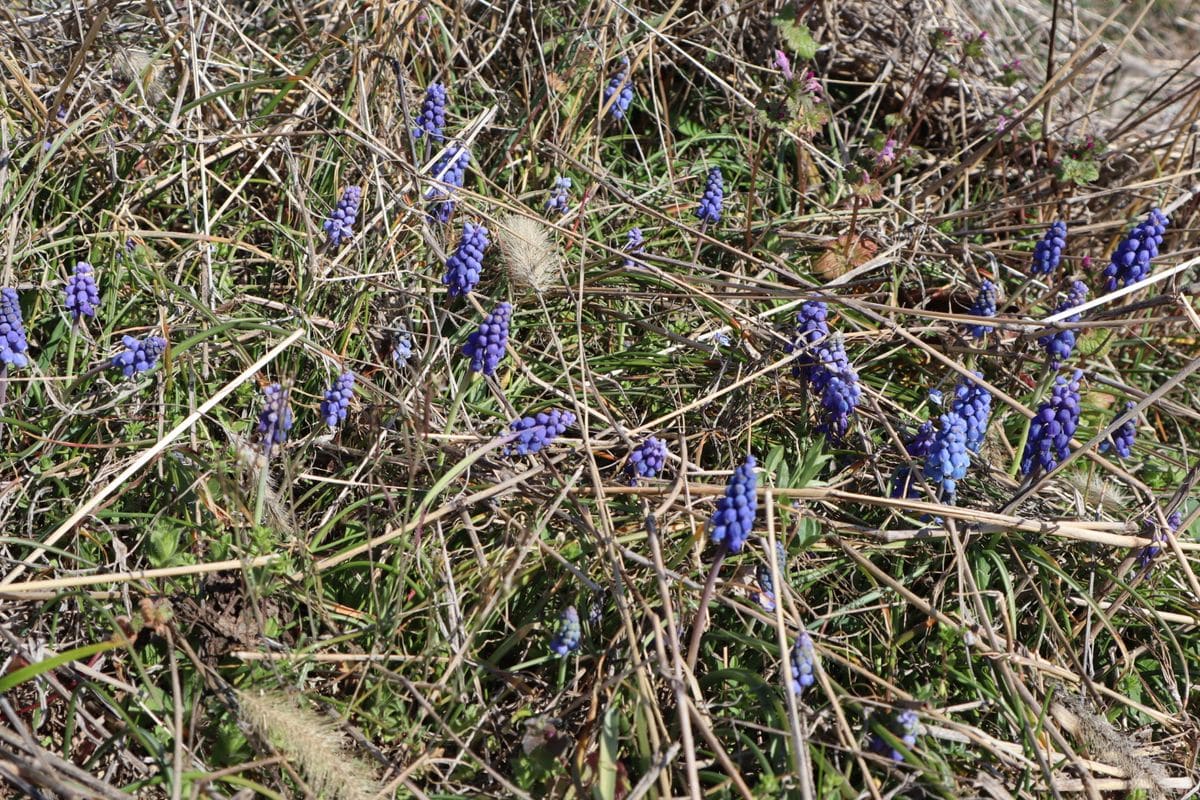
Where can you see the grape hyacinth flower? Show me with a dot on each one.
(803, 663)
(812, 328)
(973, 404)
(840, 389)
(714, 197)
(765, 595)
(1048, 251)
(13, 345)
(557, 204)
(1058, 345)
(337, 400)
(339, 227)
(1158, 537)
(1121, 440)
(948, 459)
(567, 635)
(1131, 260)
(984, 306)
(922, 441)
(904, 726)
(634, 245)
(1051, 430)
(451, 170)
(402, 348)
(534, 433)
(82, 297)
(620, 85)
(138, 356)
(646, 460)
(275, 419)
(432, 121)
(487, 345)
(463, 267)
(734, 518)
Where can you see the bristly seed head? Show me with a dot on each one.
(529, 255)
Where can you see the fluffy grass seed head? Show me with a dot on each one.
(311, 743)
(529, 255)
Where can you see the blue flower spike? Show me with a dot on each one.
(450, 172)
(567, 634)
(1121, 440)
(621, 86)
(646, 460)
(1053, 426)
(733, 520)
(1048, 251)
(465, 265)
(336, 403)
(536, 432)
(82, 298)
(984, 306)
(339, 226)
(139, 355)
(487, 345)
(13, 345)
(1058, 345)
(1130, 262)
(713, 201)
(803, 663)
(275, 419)
(432, 121)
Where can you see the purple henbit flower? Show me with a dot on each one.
(619, 83)
(803, 663)
(1059, 344)
(812, 84)
(1121, 440)
(714, 197)
(1131, 260)
(451, 171)
(1048, 251)
(646, 460)
(464, 266)
(557, 204)
(984, 306)
(1157, 536)
(887, 154)
(275, 419)
(486, 346)
(734, 518)
(534, 433)
(973, 404)
(904, 726)
(339, 227)
(138, 355)
(13, 345)
(1053, 426)
(568, 633)
(337, 400)
(634, 246)
(432, 121)
(784, 64)
(948, 458)
(82, 297)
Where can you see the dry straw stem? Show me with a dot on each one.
(529, 255)
(312, 743)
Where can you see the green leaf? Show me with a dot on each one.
(32, 671)
(605, 787)
(1079, 172)
(798, 37)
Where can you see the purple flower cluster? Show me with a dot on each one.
(619, 85)
(464, 266)
(734, 518)
(1059, 344)
(534, 433)
(947, 461)
(567, 634)
(984, 306)
(821, 360)
(1158, 537)
(401, 346)
(1048, 251)
(451, 171)
(803, 663)
(138, 355)
(1121, 440)
(903, 726)
(714, 197)
(339, 227)
(337, 399)
(13, 345)
(275, 419)
(765, 595)
(1131, 261)
(557, 203)
(973, 404)
(432, 121)
(1053, 426)
(487, 345)
(922, 441)
(634, 245)
(82, 296)
(647, 459)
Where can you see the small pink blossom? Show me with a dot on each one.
(886, 154)
(811, 84)
(784, 64)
